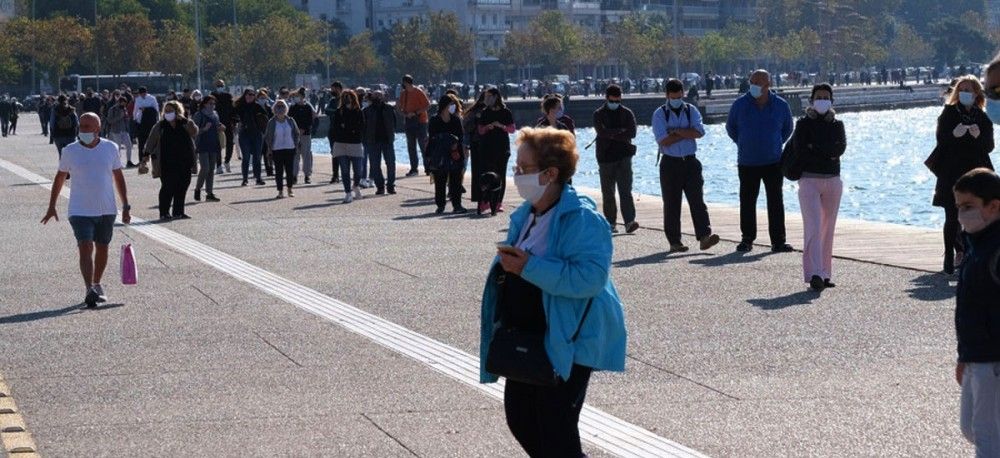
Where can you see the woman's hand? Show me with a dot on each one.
(513, 260)
(974, 131)
(960, 130)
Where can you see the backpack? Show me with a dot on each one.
(791, 159)
(64, 122)
(687, 111)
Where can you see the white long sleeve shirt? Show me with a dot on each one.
(142, 102)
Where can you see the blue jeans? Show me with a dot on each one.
(346, 164)
(251, 145)
(377, 151)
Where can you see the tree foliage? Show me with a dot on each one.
(358, 58)
(175, 48)
(125, 43)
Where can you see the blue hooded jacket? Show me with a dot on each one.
(576, 268)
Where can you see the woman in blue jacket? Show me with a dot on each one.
(558, 255)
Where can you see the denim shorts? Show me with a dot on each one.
(96, 229)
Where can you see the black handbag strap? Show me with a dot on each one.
(582, 319)
(499, 312)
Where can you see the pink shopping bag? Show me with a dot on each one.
(130, 272)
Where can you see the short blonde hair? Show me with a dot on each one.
(552, 148)
(977, 90)
(178, 107)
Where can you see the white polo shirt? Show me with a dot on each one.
(93, 190)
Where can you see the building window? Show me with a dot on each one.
(484, 20)
(494, 19)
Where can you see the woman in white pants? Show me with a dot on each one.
(819, 140)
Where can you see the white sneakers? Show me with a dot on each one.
(218, 170)
(357, 193)
(348, 198)
(227, 167)
(281, 195)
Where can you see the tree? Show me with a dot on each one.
(10, 68)
(266, 52)
(175, 51)
(556, 41)
(125, 43)
(908, 48)
(412, 52)
(450, 40)
(54, 43)
(956, 43)
(635, 39)
(358, 57)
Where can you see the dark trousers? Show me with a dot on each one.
(141, 139)
(284, 166)
(544, 420)
(952, 232)
(336, 163)
(453, 181)
(174, 185)
(268, 160)
(230, 136)
(683, 176)
(45, 125)
(4, 125)
(618, 175)
(378, 151)
(416, 135)
(497, 163)
(13, 126)
(251, 145)
(750, 179)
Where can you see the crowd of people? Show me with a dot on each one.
(551, 275)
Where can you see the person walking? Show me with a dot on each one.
(348, 126)
(977, 195)
(64, 124)
(336, 88)
(171, 145)
(304, 114)
(281, 137)
(495, 125)
(615, 128)
(380, 133)
(265, 101)
(964, 142)
(146, 111)
(252, 120)
(819, 141)
(224, 109)
(759, 123)
(5, 108)
(15, 113)
(551, 279)
(92, 208)
(413, 104)
(677, 126)
(211, 135)
(118, 128)
(446, 155)
(470, 124)
(45, 113)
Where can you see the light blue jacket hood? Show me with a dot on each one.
(576, 268)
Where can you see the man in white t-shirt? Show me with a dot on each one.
(97, 172)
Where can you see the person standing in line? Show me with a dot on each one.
(495, 125)
(677, 125)
(380, 133)
(348, 124)
(615, 127)
(281, 137)
(64, 124)
(146, 112)
(820, 141)
(304, 114)
(45, 113)
(553, 279)
(446, 153)
(172, 144)
(992, 84)
(118, 128)
(92, 207)
(977, 316)
(366, 182)
(336, 88)
(552, 112)
(964, 142)
(252, 121)
(210, 131)
(413, 104)
(759, 123)
(224, 108)
(470, 125)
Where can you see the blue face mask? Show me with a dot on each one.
(993, 110)
(613, 105)
(560, 113)
(966, 98)
(676, 103)
(756, 91)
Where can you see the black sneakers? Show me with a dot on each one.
(631, 227)
(744, 246)
(782, 248)
(709, 241)
(817, 283)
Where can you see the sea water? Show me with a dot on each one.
(883, 168)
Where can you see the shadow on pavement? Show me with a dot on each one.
(44, 314)
(253, 201)
(731, 258)
(931, 287)
(417, 202)
(428, 216)
(656, 258)
(778, 303)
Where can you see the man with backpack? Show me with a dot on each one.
(64, 124)
(677, 125)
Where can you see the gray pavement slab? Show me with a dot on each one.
(728, 354)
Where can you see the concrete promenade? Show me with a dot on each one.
(306, 327)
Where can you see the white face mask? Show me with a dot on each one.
(528, 187)
(451, 109)
(972, 220)
(170, 116)
(87, 138)
(822, 106)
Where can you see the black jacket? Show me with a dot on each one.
(251, 116)
(955, 156)
(615, 131)
(977, 311)
(372, 114)
(347, 126)
(224, 108)
(820, 141)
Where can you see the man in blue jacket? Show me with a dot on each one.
(760, 122)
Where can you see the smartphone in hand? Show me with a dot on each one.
(504, 247)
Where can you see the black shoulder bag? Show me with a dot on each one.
(518, 354)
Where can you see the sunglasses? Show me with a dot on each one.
(993, 93)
